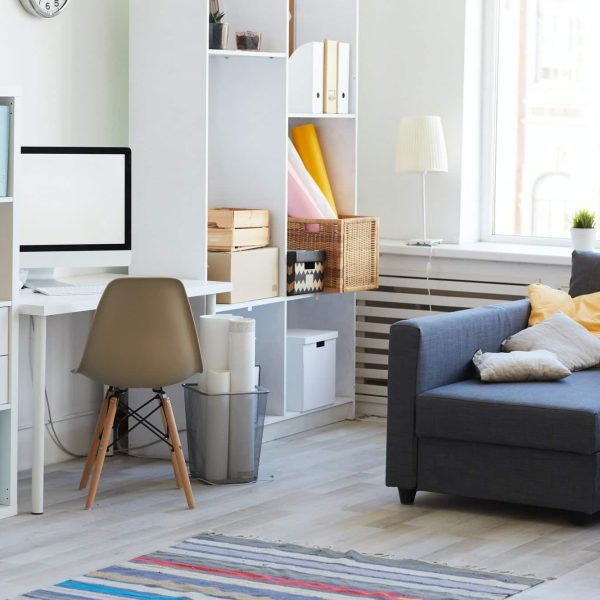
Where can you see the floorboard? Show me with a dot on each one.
(322, 488)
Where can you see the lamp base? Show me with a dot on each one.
(423, 242)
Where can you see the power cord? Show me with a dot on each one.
(428, 276)
(50, 424)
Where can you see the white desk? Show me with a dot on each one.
(41, 307)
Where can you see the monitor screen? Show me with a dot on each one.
(74, 199)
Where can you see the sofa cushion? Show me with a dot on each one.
(585, 272)
(559, 415)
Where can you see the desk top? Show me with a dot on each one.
(40, 305)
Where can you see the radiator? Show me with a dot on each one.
(404, 297)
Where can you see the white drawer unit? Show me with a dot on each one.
(3, 331)
(310, 368)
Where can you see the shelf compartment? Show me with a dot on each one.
(5, 407)
(6, 199)
(223, 308)
(246, 54)
(322, 116)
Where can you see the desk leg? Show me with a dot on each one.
(211, 304)
(39, 398)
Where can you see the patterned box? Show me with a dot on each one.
(305, 271)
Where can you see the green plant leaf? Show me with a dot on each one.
(583, 219)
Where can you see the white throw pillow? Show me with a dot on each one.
(575, 346)
(538, 365)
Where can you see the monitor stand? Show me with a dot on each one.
(42, 278)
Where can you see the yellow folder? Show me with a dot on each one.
(307, 143)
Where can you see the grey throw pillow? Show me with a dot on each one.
(585, 273)
(575, 346)
(538, 365)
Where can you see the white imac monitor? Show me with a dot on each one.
(74, 207)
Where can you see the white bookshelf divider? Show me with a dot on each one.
(8, 289)
(238, 127)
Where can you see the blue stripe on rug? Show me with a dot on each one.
(226, 567)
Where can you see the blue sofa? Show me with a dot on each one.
(531, 443)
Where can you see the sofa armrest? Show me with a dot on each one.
(429, 352)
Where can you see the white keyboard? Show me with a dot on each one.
(70, 290)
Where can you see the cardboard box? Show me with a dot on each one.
(253, 273)
(310, 368)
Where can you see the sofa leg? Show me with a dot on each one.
(407, 496)
(580, 519)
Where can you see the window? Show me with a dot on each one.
(545, 115)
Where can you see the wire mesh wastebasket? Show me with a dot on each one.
(224, 434)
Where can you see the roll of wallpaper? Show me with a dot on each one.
(242, 355)
(256, 376)
(215, 439)
(213, 336)
(217, 382)
(300, 203)
(307, 143)
(309, 183)
(242, 436)
(202, 382)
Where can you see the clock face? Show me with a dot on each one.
(44, 8)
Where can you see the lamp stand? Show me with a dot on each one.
(424, 241)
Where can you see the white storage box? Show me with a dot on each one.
(310, 368)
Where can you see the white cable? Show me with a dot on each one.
(52, 433)
(428, 276)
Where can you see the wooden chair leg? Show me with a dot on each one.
(104, 441)
(173, 458)
(93, 451)
(174, 437)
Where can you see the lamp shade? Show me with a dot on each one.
(421, 145)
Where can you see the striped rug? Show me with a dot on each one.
(215, 566)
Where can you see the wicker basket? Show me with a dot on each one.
(352, 246)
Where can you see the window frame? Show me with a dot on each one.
(489, 113)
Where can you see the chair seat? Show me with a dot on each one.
(560, 415)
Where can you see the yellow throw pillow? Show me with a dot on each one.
(546, 301)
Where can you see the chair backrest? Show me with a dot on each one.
(142, 336)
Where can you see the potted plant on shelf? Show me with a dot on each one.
(217, 30)
(583, 230)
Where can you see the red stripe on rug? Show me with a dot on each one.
(324, 587)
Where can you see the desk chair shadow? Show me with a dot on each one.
(142, 336)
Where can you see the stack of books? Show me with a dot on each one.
(319, 78)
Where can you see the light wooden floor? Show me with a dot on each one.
(327, 491)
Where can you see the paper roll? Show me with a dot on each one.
(217, 382)
(216, 438)
(213, 336)
(202, 382)
(242, 355)
(242, 436)
(307, 143)
(309, 183)
(256, 376)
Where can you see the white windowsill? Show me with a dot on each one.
(517, 253)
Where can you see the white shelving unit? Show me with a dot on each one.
(9, 322)
(217, 121)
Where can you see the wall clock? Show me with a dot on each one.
(44, 8)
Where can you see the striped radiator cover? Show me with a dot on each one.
(405, 297)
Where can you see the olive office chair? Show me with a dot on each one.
(142, 336)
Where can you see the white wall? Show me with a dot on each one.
(412, 62)
(73, 71)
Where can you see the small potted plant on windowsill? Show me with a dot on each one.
(217, 30)
(583, 230)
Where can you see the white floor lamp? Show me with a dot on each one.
(421, 149)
